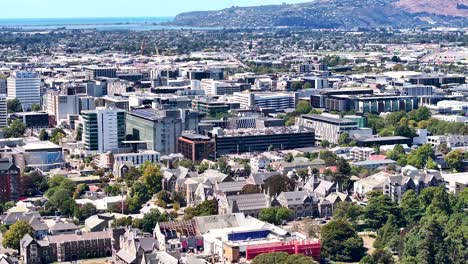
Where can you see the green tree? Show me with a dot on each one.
(303, 107)
(347, 211)
(410, 207)
(270, 258)
(389, 235)
(275, 215)
(340, 241)
(33, 183)
(432, 248)
(325, 143)
(206, 208)
(289, 157)
(36, 107)
(379, 208)
(152, 178)
(454, 160)
(379, 256)
(329, 157)
(43, 135)
(343, 174)
(85, 211)
(12, 237)
(150, 220)
(14, 106)
(431, 164)
(344, 139)
(15, 130)
(122, 222)
(418, 158)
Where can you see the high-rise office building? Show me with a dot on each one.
(3, 110)
(3, 86)
(161, 128)
(24, 86)
(103, 129)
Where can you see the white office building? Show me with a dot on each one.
(212, 87)
(137, 159)
(281, 101)
(25, 86)
(103, 129)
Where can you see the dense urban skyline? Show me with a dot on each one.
(117, 8)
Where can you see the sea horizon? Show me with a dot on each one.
(98, 23)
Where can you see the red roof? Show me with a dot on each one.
(377, 157)
(332, 169)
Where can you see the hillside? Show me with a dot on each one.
(457, 8)
(334, 14)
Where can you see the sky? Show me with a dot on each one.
(117, 8)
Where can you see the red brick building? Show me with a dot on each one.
(10, 185)
(195, 147)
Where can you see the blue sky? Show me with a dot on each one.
(116, 8)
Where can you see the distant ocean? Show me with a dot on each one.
(119, 23)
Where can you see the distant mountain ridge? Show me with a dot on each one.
(335, 14)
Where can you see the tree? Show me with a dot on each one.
(15, 130)
(250, 189)
(343, 173)
(324, 143)
(275, 215)
(34, 183)
(340, 241)
(410, 208)
(14, 106)
(35, 107)
(379, 208)
(389, 235)
(150, 220)
(454, 160)
(303, 107)
(43, 135)
(431, 164)
(282, 258)
(379, 256)
(152, 178)
(347, 211)
(329, 157)
(122, 222)
(289, 157)
(418, 158)
(432, 248)
(85, 211)
(344, 139)
(12, 237)
(270, 258)
(206, 208)
(279, 183)
(164, 198)
(57, 135)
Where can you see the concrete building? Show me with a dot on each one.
(276, 100)
(24, 86)
(94, 72)
(212, 87)
(160, 129)
(416, 90)
(138, 158)
(456, 182)
(326, 127)
(60, 106)
(103, 129)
